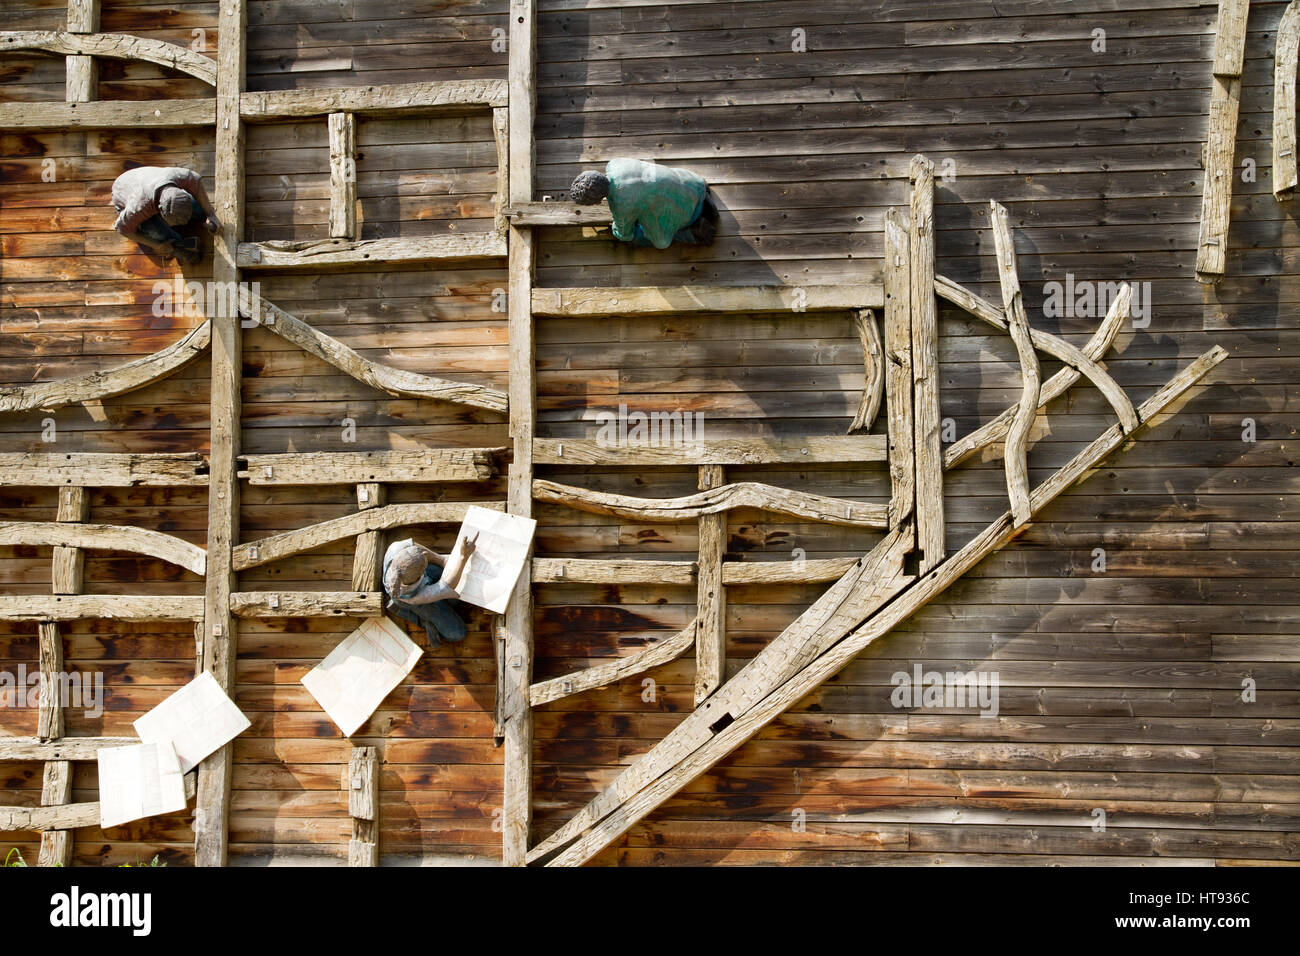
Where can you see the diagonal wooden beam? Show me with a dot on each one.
(661, 784)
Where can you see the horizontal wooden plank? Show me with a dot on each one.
(51, 470)
(334, 468)
(312, 254)
(70, 607)
(558, 214)
(398, 98)
(66, 748)
(665, 300)
(269, 604)
(720, 451)
(108, 114)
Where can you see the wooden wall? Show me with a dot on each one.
(1120, 690)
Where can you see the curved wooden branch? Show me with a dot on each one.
(117, 46)
(1015, 453)
(289, 543)
(1284, 79)
(1077, 361)
(383, 377)
(873, 361)
(106, 537)
(108, 382)
(600, 675)
(742, 494)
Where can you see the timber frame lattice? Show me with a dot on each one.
(217, 612)
(867, 596)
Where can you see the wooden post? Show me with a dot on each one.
(1221, 141)
(925, 367)
(518, 651)
(220, 639)
(363, 805)
(82, 74)
(367, 563)
(501, 133)
(67, 575)
(711, 596)
(898, 370)
(343, 175)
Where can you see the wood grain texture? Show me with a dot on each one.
(1286, 57)
(104, 114)
(322, 253)
(658, 300)
(105, 537)
(898, 370)
(114, 607)
(926, 448)
(712, 451)
(422, 466)
(343, 175)
(287, 604)
(97, 470)
(395, 98)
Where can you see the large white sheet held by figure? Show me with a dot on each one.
(498, 558)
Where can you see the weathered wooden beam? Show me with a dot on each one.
(319, 253)
(363, 806)
(273, 604)
(602, 571)
(668, 300)
(69, 563)
(56, 820)
(107, 383)
(52, 470)
(65, 748)
(427, 465)
(558, 214)
(394, 381)
(343, 175)
(514, 681)
(116, 46)
(710, 595)
(82, 74)
(926, 448)
(683, 573)
(76, 607)
(108, 114)
(647, 791)
(220, 628)
(1221, 140)
(105, 537)
(714, 451)
(56, 799)
(898, 369)
(1016, 450)
(1286, 54)
(367, 562)
(873, 365)
(501, 137)
(600, 675)
(288, 543)
(447, 96)
(717, 499)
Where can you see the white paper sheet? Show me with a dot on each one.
(139, 781)
(356, 676)
(498, 558)
(197, 720)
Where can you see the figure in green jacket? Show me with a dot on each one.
(651, 205)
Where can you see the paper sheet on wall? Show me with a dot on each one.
(498, 558)
(139, 781)
(355, 677)
(197, 720)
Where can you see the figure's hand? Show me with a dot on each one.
(212, 225)
(468, 545)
